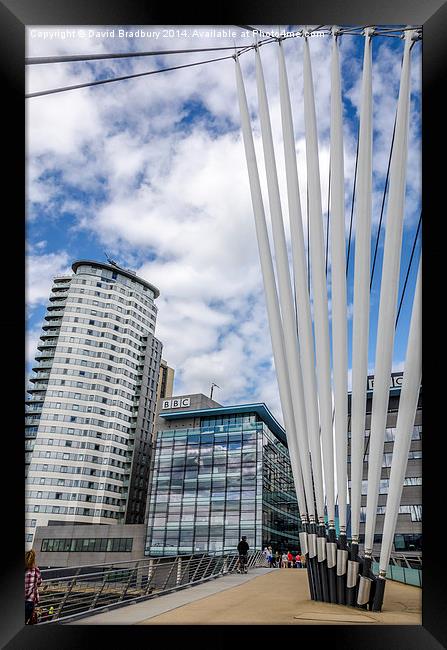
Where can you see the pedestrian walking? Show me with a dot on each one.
(265, 553)
(243, 549)
(284, 560)
(33, 579)
(298, 561)
(270, 557)
(290, 560)
(278, 559)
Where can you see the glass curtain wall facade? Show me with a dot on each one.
(213, 483)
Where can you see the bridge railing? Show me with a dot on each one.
(403, 569)
(68, 593)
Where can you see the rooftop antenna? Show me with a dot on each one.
(212, 388)
(109, 259)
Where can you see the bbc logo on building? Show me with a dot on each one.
(396, 380)
(176, 403)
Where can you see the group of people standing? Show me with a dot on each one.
(285, 560)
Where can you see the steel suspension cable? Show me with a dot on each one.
(93, 57)
(131, 76)
(352, 202)
(384, 194)
(408, 270)
(122, 55)
(383, 205)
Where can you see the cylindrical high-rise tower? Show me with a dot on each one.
(92, 400)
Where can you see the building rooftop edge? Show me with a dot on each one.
(260, 408)
(126, 272)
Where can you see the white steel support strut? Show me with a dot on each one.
(388, 295)
(271, 296)
(285, 289)
(408, 402)
(339, 308)
(301, 292)
(360, 324)
(319, 289)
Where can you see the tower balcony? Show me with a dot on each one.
(32, 421)
(57, 299)
(37, 397)
(39, 376)
(53, 311)
(42, 364)
(52, 324)
(45, 354)
(48, 343)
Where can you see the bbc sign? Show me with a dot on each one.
(176, 403)
(396, 381)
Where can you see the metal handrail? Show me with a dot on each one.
(403, 560)
(74, 592)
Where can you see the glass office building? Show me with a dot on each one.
(408, 533)
(218, 474)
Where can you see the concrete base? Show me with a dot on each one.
(262, 597)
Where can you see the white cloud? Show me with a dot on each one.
(39, 273)
(174, 201)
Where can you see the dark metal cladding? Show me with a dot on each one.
(313, 561)
(377, 602)
(342, 558)
(322, 563)
(305, 550)
(332, 581)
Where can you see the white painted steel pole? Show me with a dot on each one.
(305, 336)
(360, 325)
(388, 295)
(339, 313)
(301, 291)
(270, 293)
(285, 289)
(408, 402)
(318, 276)
(338, 269)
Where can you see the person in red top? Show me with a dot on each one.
(33, 580)
(290, 559)
(298, 561)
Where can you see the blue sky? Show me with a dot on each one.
(152, 171)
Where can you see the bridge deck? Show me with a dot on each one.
(263, 597)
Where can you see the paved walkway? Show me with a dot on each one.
(263, 597)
